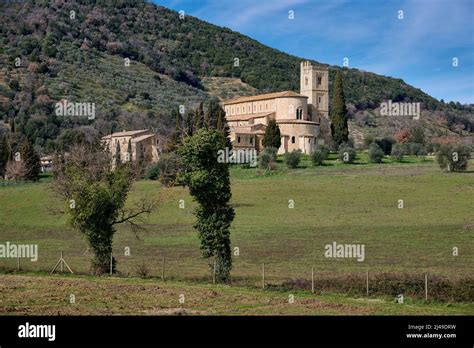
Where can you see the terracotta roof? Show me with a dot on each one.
(142, 137)
(290, 120)
(246, 117)
(125, 133)
(264, 96)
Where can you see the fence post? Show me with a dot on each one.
(163, 268)
(263, 275)
(214, 273)
(367, 283)
(111, 263)
(312, 280)
(61, 265)
(426, 287)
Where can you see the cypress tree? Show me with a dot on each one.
(339, 128)
(175, 139)
(4, 151)
(129, 150)
(272, 137)
(31, 160)
(118, 158)
(198, 118)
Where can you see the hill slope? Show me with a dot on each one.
(77, 51)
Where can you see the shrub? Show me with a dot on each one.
(292, 159)
(319, 155)
(398, 151)
(347, 154)
(453, 157)
(152, 171)
(267, 158)
(142, 270)
(368, 139)
(385, 144)
(375, 153)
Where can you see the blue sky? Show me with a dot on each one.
(418, 48)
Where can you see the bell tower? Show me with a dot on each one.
(314, 83)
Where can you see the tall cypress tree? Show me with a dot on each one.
(31, 160)
(129, 150)
(118, 158)
(4, 151)
(198, 119)
(175, 139)
(339, 128)
(272, 137)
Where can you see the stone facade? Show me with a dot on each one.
(302, 117)
(144, 138)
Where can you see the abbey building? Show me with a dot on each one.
(303, 118)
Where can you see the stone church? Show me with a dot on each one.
(303, 118)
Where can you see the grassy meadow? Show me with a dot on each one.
(343, 203)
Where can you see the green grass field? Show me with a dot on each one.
(338, 202)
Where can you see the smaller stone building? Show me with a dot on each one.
(143, 140)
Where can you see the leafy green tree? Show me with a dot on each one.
(375, 153)
(385, 144)
(417, 135)
(209, 184)
(272, 137)
(339, 127)
(95, 197)
(31, 160)
(267, 158)
(398, 151)
(453, 157)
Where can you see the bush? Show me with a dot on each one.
(347, 154)
(375, 153)
(152, 171)
(292, 159)
(169, 166)
(453, 157)
(385, 144)
(267, 159)
(398, 151)
(319, 155)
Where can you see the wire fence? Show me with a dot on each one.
(281, 275)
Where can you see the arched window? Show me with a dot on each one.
(319, 80)
(293, 139)
(299, 113)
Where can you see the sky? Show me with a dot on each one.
(420, 45)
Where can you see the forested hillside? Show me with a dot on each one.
(77, 51)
